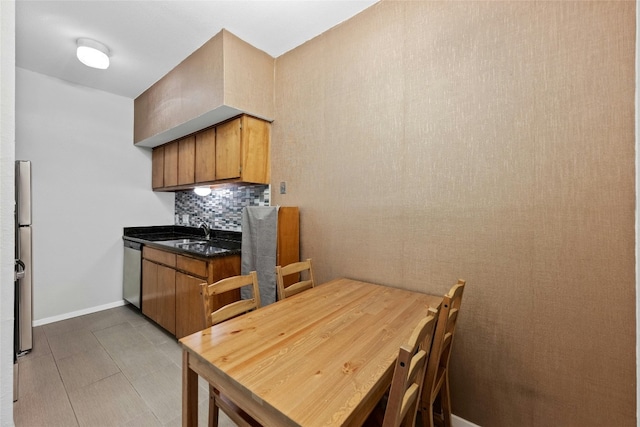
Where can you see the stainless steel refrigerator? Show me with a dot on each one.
(23, 334)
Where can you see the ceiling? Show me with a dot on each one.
(149, 38)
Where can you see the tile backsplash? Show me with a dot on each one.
(222, 209)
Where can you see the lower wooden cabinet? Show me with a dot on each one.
(159, 300)
(171, 288)
(189, 313)
(150, 295)
(166, 313)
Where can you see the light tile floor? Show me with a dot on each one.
(111, 368)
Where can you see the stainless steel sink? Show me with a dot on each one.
(192, 243)
(184, 242)
(200, 246)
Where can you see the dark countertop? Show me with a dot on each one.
(173, 238)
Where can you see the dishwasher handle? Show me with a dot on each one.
(133, 245)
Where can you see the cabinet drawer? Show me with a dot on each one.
(159, 256)
(192, 266)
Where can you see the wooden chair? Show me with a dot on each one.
(217, 400)
(298, 268)
(436, 383)
(408, 376)
(403, 398)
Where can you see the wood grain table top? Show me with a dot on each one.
(320, 358)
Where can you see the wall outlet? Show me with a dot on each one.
(283, 187)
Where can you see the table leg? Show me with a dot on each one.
(189, 393)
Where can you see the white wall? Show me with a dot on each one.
(88, 182)
(7, 128)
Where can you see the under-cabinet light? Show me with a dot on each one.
(202, 191)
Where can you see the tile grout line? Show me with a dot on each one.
(150, 410)
(80, 341)
(55, 361)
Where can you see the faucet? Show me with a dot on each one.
(207, 230)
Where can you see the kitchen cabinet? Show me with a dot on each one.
(242, 150)
(190, 274)
(171, 288)
(158, 296)
(173, 164)
(228, 165)
(170, 164)
(186, 160)
(166, 313)
(188, 304)
(234, 151)
(157, 167)
(205, 162)
(150, 289)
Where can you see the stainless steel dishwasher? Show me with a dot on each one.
(132, 272)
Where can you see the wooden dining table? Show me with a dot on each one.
(323, 357)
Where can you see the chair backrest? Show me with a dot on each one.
(304, 273)
(441, 350)
(235, 308)
(408, 376)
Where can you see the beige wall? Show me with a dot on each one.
(491, 141)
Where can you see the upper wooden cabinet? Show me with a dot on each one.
(223, 78)
(186, 160)
(228, 146)
(242, 150)
(234, 151)
(157, 167)
(205, 164)
(170, 164)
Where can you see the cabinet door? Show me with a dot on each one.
(189, 310)
(150, 290)
(228, 149)
(206, 155)
(167, 298)
(255, 160)
(186, 160)
(171, 164)
(157, 168)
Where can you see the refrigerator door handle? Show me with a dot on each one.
(19, 270)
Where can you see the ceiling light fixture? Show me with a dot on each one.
(93, 54)
(202, 191)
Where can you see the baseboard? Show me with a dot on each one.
(66, 316)
(461, 422)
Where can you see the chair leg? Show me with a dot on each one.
(425, 415)
(429, 417)
(213, 408)
(445, 400)
(436, 411)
